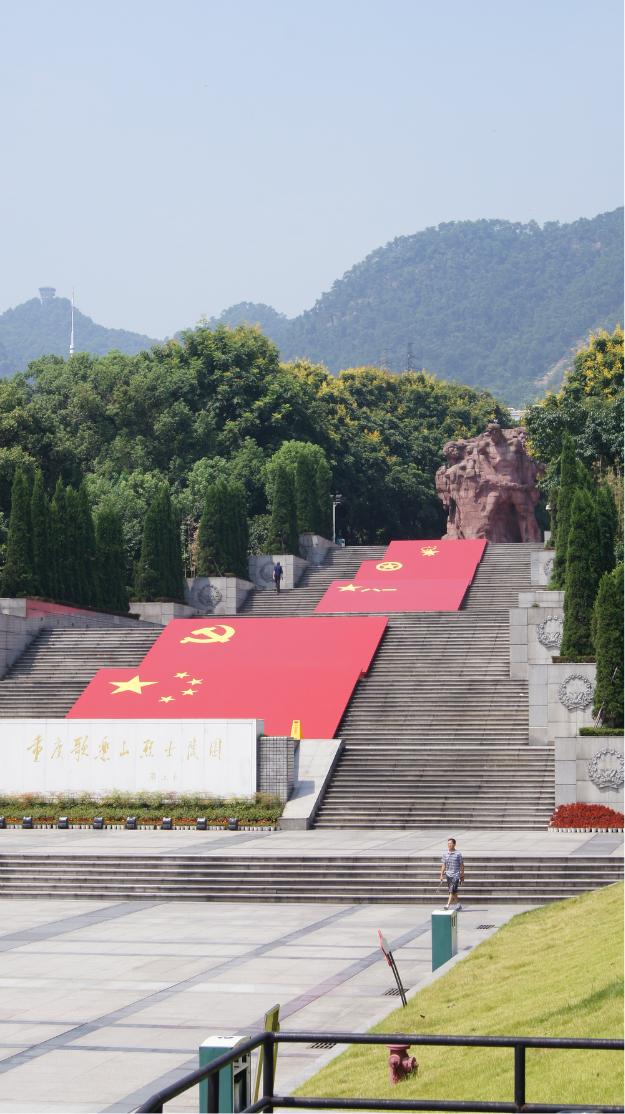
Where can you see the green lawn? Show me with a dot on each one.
(555, 972)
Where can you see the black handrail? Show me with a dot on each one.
(210, 1072)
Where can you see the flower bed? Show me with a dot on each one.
(586, 817)
(148, 809)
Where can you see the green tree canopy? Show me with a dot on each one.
(17, 578)
(580, 582)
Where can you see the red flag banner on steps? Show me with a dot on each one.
(279, 670)
(444, 559)
(403, 595)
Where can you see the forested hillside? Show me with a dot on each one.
(220, 406)
(490, 303)
(37, 328)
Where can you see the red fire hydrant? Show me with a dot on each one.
(399, 1063)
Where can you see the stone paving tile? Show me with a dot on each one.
(77, 980)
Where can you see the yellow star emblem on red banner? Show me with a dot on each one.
(134, 685)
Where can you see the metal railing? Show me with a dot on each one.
(269, 1100)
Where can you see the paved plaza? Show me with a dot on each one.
(103, 1003)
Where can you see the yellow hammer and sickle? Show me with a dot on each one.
(211, 635)
(389, 566)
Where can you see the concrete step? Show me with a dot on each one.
(320, 879)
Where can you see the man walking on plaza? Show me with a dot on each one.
(278, 573)
(453, 869)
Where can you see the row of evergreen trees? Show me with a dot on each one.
(56, 551)
(302, 503)
(585, 522)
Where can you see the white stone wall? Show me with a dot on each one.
(216, 595)
(261, 569)
(163, 613)
(16, 634)
(542, 565)
(573, 782)
(526, 649)
(96, 756)
(313, 548)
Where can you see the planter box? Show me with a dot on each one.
(216, 595)
(261, 569)
(313, 548)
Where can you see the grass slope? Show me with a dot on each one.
(555, 972)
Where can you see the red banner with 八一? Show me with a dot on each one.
(366, 596)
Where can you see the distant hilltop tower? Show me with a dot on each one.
(46, 293)
(71, 339)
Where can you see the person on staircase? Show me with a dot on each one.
(453, 869)
(278, 573)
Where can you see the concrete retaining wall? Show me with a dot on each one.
(573, 780)
(313, 548)
(261, 569)
(216, 595)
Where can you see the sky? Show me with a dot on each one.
(168, 160)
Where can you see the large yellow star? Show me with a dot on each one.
(165, 699)
(181, 674)
(349, 588)
(135, 685)
(188, 692)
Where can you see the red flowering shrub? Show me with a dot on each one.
(586, 816)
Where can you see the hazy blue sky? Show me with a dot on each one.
(171, 158)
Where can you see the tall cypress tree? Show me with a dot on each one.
(111, 560)
(239, 531)
(150, 583)
(306, 495)
(40, 516)
(17, 578)
(60, 542)
(283, 532)
(52, 556)
(608, 698)
(324, 499)
(608, 526)
(580, 585)
(90, 549)
(212, 556)
(553, 513)
(568, 484)
(79, 592)
(171, 569)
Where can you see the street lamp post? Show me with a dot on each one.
(336, 499)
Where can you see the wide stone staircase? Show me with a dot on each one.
(437, 733)
(397, 880)
(339, 564)
(50, 675)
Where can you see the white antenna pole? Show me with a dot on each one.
(71, 339)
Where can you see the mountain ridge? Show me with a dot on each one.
(490, 303)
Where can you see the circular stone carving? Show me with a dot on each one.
(575, 693)
(608, 775)
(266, 572)
(549, 632)
(208, 597)
(548, 568)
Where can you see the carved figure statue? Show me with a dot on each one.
(489, 485)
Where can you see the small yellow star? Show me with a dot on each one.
(165, 699)
(182, 675)
(349, 588)
(188, 692)
(195, 681)
(135, 685)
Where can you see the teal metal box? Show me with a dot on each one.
(235, 1088)
(444, 937)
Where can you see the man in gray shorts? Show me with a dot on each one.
(453, 869)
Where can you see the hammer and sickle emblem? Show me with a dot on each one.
(389, 566)
(211, 634)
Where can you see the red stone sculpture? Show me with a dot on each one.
(399, 1063)
(490, 487)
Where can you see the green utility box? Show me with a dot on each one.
(444, 937)
(235, 1088)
